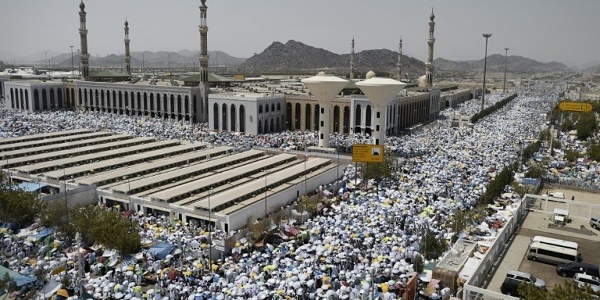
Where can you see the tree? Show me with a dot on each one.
(432, 247)
(561, 291)
(379, 171)
(96, 224)
(572, 155)
(17, 206)
(419, 263)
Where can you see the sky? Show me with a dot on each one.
(544, 30)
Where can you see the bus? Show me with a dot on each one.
(552, 254)
(555, 242)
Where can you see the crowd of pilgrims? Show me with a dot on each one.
(361, 245)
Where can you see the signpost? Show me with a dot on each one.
(575, 106)
(367, 153)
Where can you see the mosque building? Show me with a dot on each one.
(248, 112)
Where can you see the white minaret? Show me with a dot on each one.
(202, 107)
(84, 57)
(399, 65)
(352, 60)
(430, 42)
(127, 54)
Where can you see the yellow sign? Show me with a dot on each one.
(575, 106)
(367, 153)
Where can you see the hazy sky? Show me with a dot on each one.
(545, 30)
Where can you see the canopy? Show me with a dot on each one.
(161, 250)
(31, 186)
(43, 234)
(24, 280)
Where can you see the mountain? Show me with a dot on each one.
(592, 69)
(296, 56)
(495, 63)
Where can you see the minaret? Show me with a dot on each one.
(399, 65)
(430, 42)
(127, 56)
(202, 115)
(352, 60)
(84, 56)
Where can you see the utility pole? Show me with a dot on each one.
(486, 36)
(505, 60)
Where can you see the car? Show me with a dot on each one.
(572, 268)
(595, 222)
(584, 279)
(515, 278)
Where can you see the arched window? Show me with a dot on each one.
(336, 119)
(52, 99)
(26, 99)
(216, 117)
(260, 109)
(266, 107)
(44, 100)
(346, 120)
(278, 106)
(186, 104)
(242, 119)
(232, 117)
(307, 113)
(224, 117)
(172, 110)
(288, 116)
(36, 100)
(297, 115)
(272, 106)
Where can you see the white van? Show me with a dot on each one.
(552, 254)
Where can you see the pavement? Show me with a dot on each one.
(536, 223)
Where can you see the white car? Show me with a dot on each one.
(584, 279)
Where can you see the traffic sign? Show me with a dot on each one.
(367, 153)
(575, 106)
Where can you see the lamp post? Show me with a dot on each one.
(505, 60)
(266, 211)
(486, 36)
(209, 234)
(72, 63)
(128, 191)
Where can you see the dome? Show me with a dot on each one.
(126, 23)
(81, 5)
(370, 75)
(432, 16)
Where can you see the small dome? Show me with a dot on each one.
(321, 74)
(81, 5)
(126, 23)
(432, 16)
(370, 74)
(203, 2)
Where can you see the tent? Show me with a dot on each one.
(32, 186)
(43, 234)
(24, 281)
(161, 250)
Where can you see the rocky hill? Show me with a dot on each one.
(295, 56)
(495, 63)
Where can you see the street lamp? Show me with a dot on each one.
(486, 36)
(266, 211)
(209, 234)
(505, 60)
(128, 192)
(72, 63)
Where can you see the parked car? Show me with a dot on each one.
(514, 279)
(572, 268)
(583, 279)
(595, 222)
